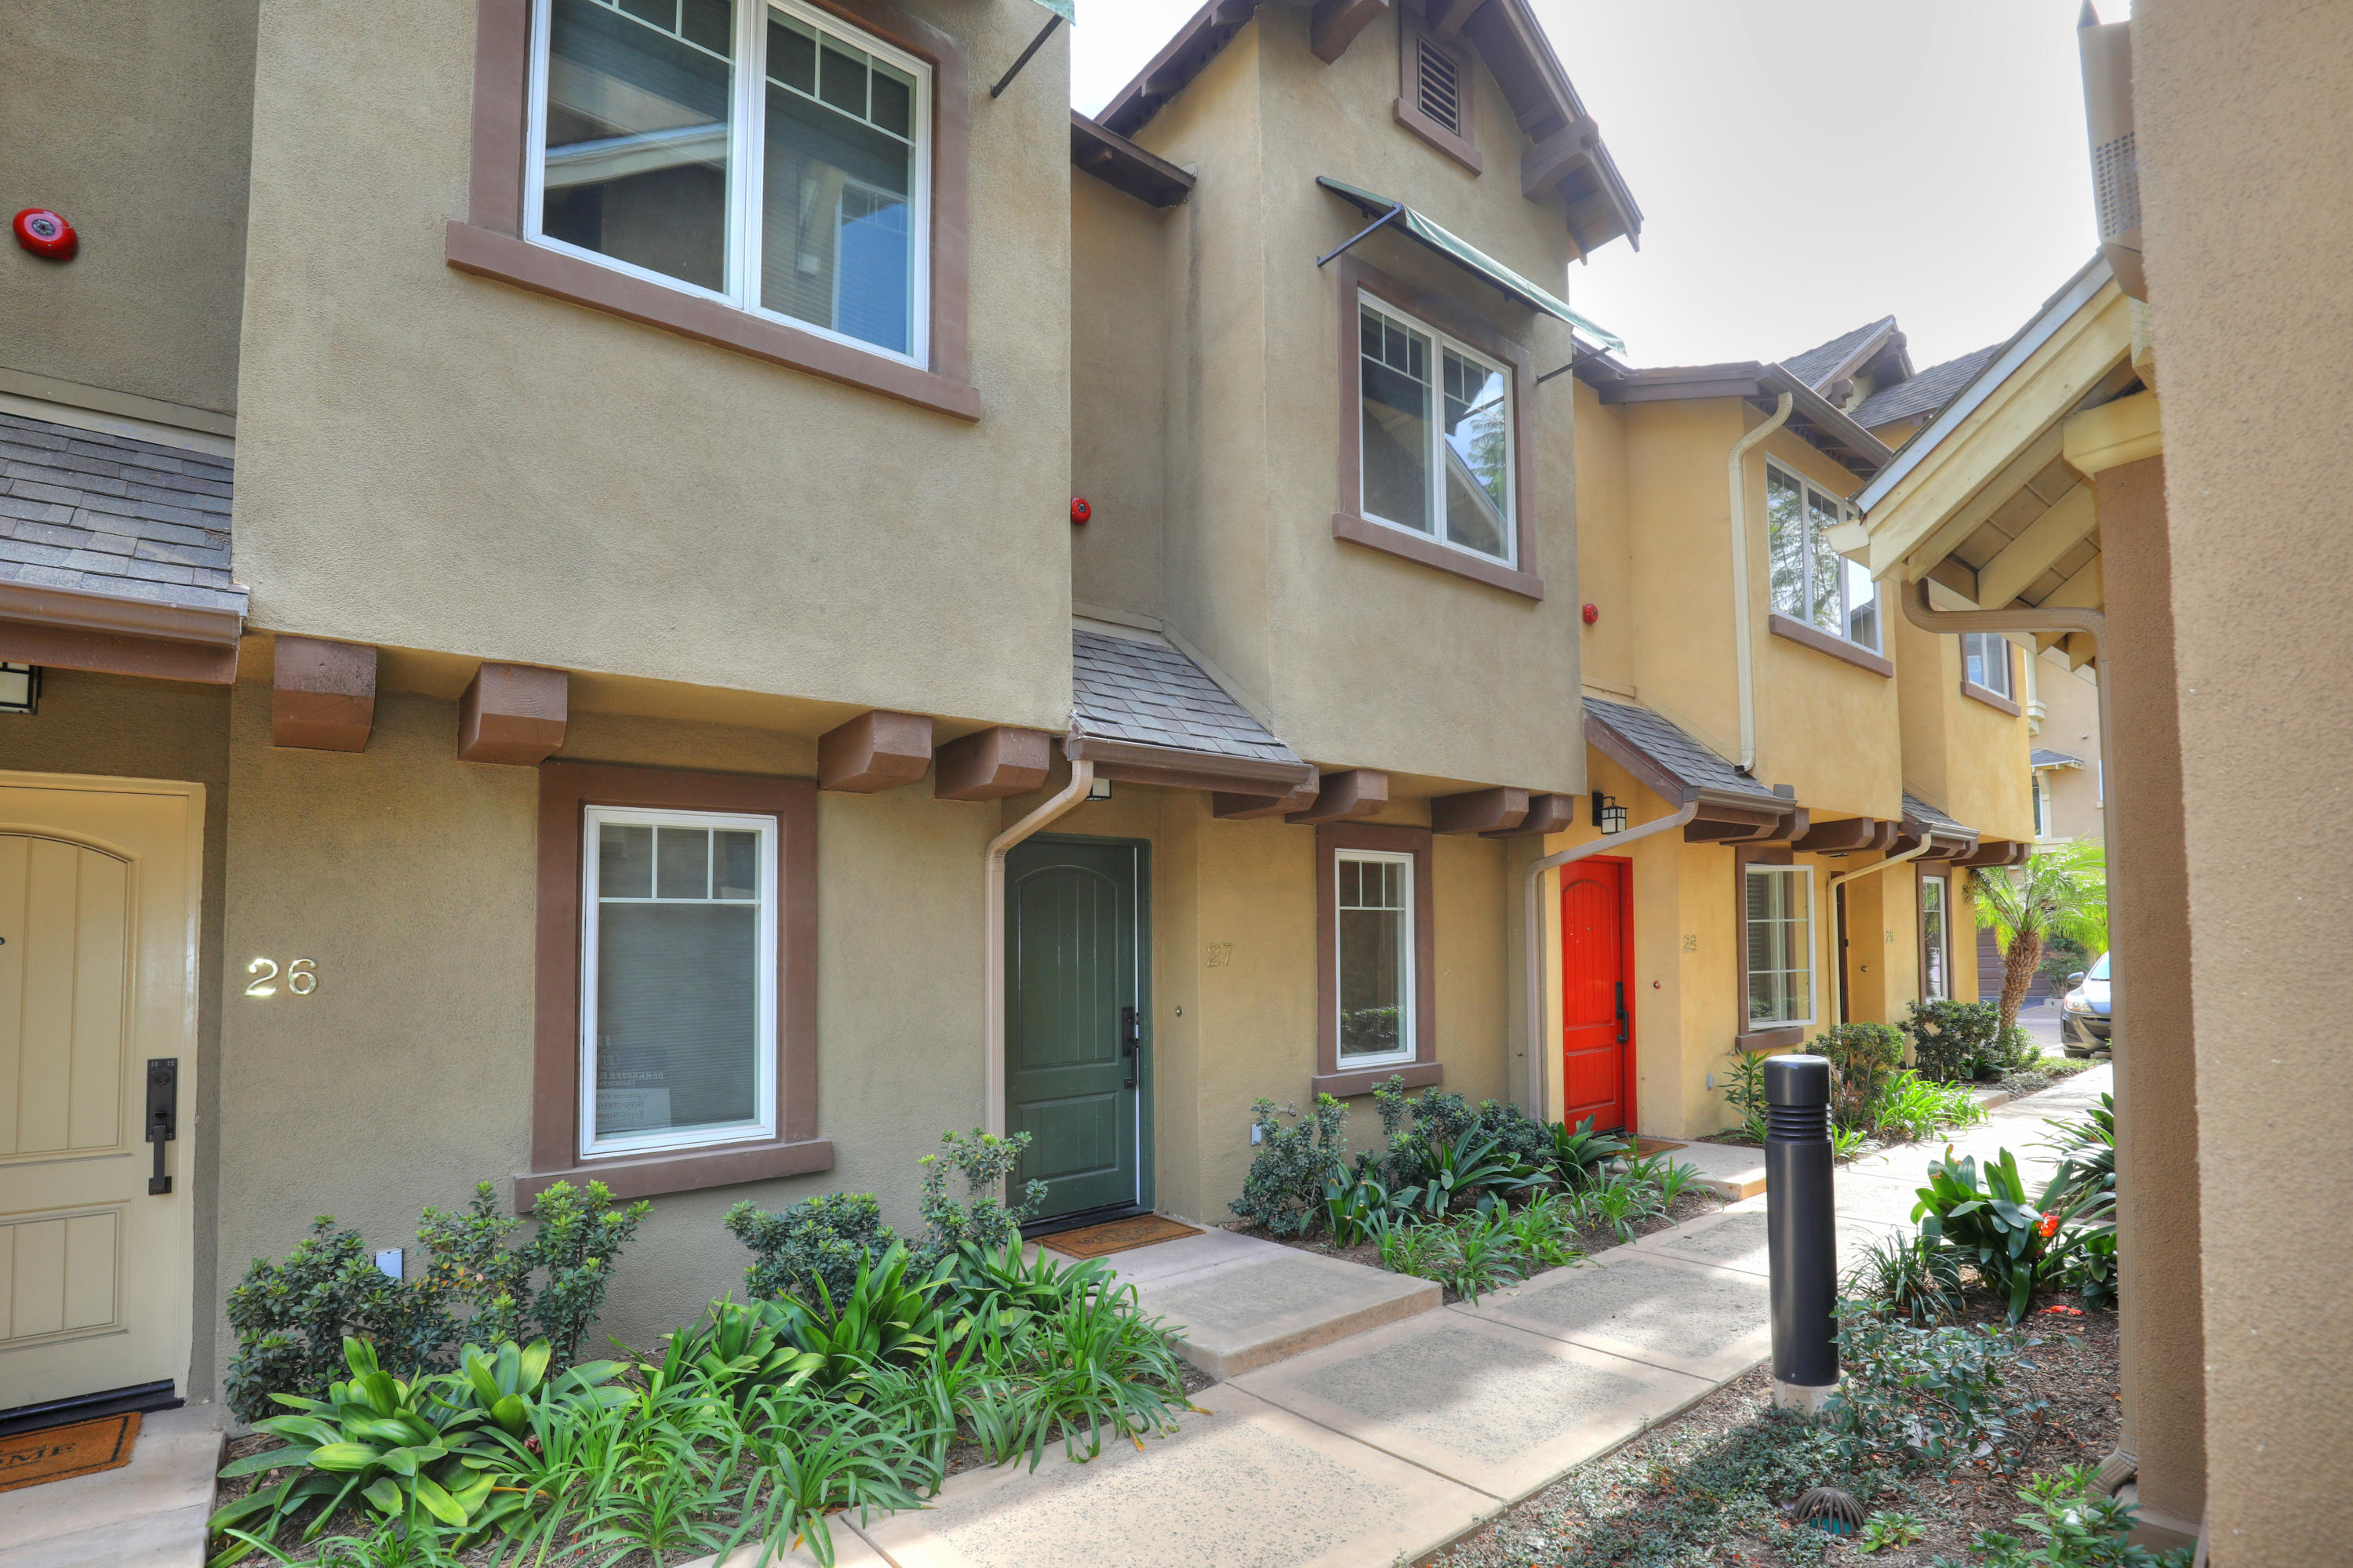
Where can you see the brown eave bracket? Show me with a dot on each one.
(514, 715)
(990, 764)
(875, 751)
(1358, 792)
(1501, 809)
(1335, 25)
(1840, 837)
(323, 694)
(1991, 853)
(65, 629)
(1548, 813)
(1719, 823)
(1233, 808)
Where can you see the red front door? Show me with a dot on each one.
(1597, 1015)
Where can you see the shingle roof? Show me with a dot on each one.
(102, 513)
(1815, 365)
(1125, 688)
(1664, 743)
(1920, 810)
(2041, 757)
(1927, 390)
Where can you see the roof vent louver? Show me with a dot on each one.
(1437, 85)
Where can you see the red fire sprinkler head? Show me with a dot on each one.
(1080, 510)
(1592, 613)
(47, 233)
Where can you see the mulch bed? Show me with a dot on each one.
(2073, 1368)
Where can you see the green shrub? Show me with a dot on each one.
(292, 1316)
(1901, 1276)
(572, 1248)
(1914, 1398)
(1862, 1057)
(1950, 1038)
(987, 1162)
(1910, 1108)
(1744, 1091)
(1283, 1193)
(2070, 1523)
(1436, 1177)
(818, 1240)
(2062, 957)
(1579, 1158)
(2015, 1246)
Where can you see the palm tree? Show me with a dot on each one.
(2060, 891)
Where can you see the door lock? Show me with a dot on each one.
(1621, 1012)
(162, 1115)
(1131, 1040)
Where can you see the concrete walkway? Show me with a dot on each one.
(149, 1514)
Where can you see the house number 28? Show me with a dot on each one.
(301, 977)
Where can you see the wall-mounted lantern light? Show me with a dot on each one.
(20, 688)
(1607, 814)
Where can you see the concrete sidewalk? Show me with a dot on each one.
(1381, 1447)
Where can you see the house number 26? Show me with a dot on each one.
(301, 977)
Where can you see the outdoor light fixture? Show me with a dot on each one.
(20, 688)
(1607, 814)
(1099, 790)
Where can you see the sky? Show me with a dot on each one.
(1803, 166)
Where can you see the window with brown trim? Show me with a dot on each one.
(676, 1027)
(1434, 88)
(1773, 917)
(1988, 671)
(1377, 1006)
(1436, 459)
(1935, 935)
(786, 179)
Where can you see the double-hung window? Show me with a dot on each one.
(1435, 447)
(1812, 583)
(1375, 906)
(1935, 940)
(1778, 914)
(677, 1004)
(1985, 662)
(766, 154)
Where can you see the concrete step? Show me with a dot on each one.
(150, 1513)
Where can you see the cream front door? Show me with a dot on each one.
(99, 888)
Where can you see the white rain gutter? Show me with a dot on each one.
(1829, 892)
(1533, 923)
(1743, 656)
(1082, 777)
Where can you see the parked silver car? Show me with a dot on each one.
(2084, 1013)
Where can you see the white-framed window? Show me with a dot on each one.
(1435, 445)
(2039, 782)
(1810, 581)
(677, 981)
(1986, 661)
(1935, 940)
(766, 154)
(1375, 960)
(1778, 912)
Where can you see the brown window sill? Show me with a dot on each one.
(1770, 1039)
(1365, 1080)
(1990, 697)
(685, 1170)
(1430, 553)
(488, 254)
(1822, 641)
(1456, 147)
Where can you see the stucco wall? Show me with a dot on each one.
(134, 121)
(433, 459)
(2071, 723)
(1961, 755)
(1119, 393)
(1605, 552)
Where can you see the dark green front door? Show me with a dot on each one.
(1078, 1026)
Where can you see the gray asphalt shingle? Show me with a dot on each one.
(1815, 365)
(1925, 393)
(1125, 688)
(2041, 757)
(105, 514)
(1665, 743)
(1919, 811)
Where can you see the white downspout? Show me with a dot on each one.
(1829, 892)
(1534, 920)
(1082, 777)
(1743, 658)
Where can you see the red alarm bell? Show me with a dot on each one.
(1080, 510)
(1592, 613)
(47, 233)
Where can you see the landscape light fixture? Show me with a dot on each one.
(20, 688)
(1607, 814)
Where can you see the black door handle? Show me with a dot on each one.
(1621, 1012)
(162, 1115)
(1131, 1040)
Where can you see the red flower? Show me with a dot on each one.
(2050, 1226)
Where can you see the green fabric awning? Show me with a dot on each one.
(1463, 254)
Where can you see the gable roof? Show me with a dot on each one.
(1149, 693)
(1925, 393)
(1819, 364)
(1921, 817)
(1672, 751)
(1565, 153)
(2043, 758)
(1813, 419)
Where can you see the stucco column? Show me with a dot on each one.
(2155, 1065)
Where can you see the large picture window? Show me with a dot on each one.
(769, 155)
(1811, 583)
(1436, 444)
(1935, 940)
(677, 1006)
(1778, 916)
(1375, 908)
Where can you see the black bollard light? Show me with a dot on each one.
(1801, 1230)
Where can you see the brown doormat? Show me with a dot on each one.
(1117, 1236)
(83, 1449)
(1646, 1146)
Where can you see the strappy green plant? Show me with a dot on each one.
(2015, 1244)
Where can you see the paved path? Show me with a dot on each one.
(1381, 1447)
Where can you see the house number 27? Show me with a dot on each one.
(301, 977)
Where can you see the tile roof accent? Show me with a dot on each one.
(1664, 743)
(1927, 390)
(102, 513)
(1125, 688)
(1917, 809)
(2041, 757)
(1815, 365)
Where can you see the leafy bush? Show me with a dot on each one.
(2071, 1524)
(1578, 1158)
(573, 1246)
(1441, 1115)
(1744, 1091)
(1489, 1247)
(2062, 957)
(1356, 1208)
(1910, 1107)
(1622, 1203)
(1438, 1176)
(1862, 1057)
(986, 1163)
(893, 1313)
(816, 1241)
(1914, 1397)
(1901, 1276)
(2086, 1148)
(1949, 1039)
(1284, 1191)
(2015, 1246)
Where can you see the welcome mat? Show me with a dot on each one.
(1117, 1236)
(82, 1449)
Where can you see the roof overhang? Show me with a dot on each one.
(1179, 768)
(1098, 150)
(1813, 418)
(68, 630)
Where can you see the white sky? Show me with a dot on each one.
(1803, 166)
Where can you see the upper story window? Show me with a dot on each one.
(1436, 449)
(768, 155)
(1811, 582)
(1985, 662)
